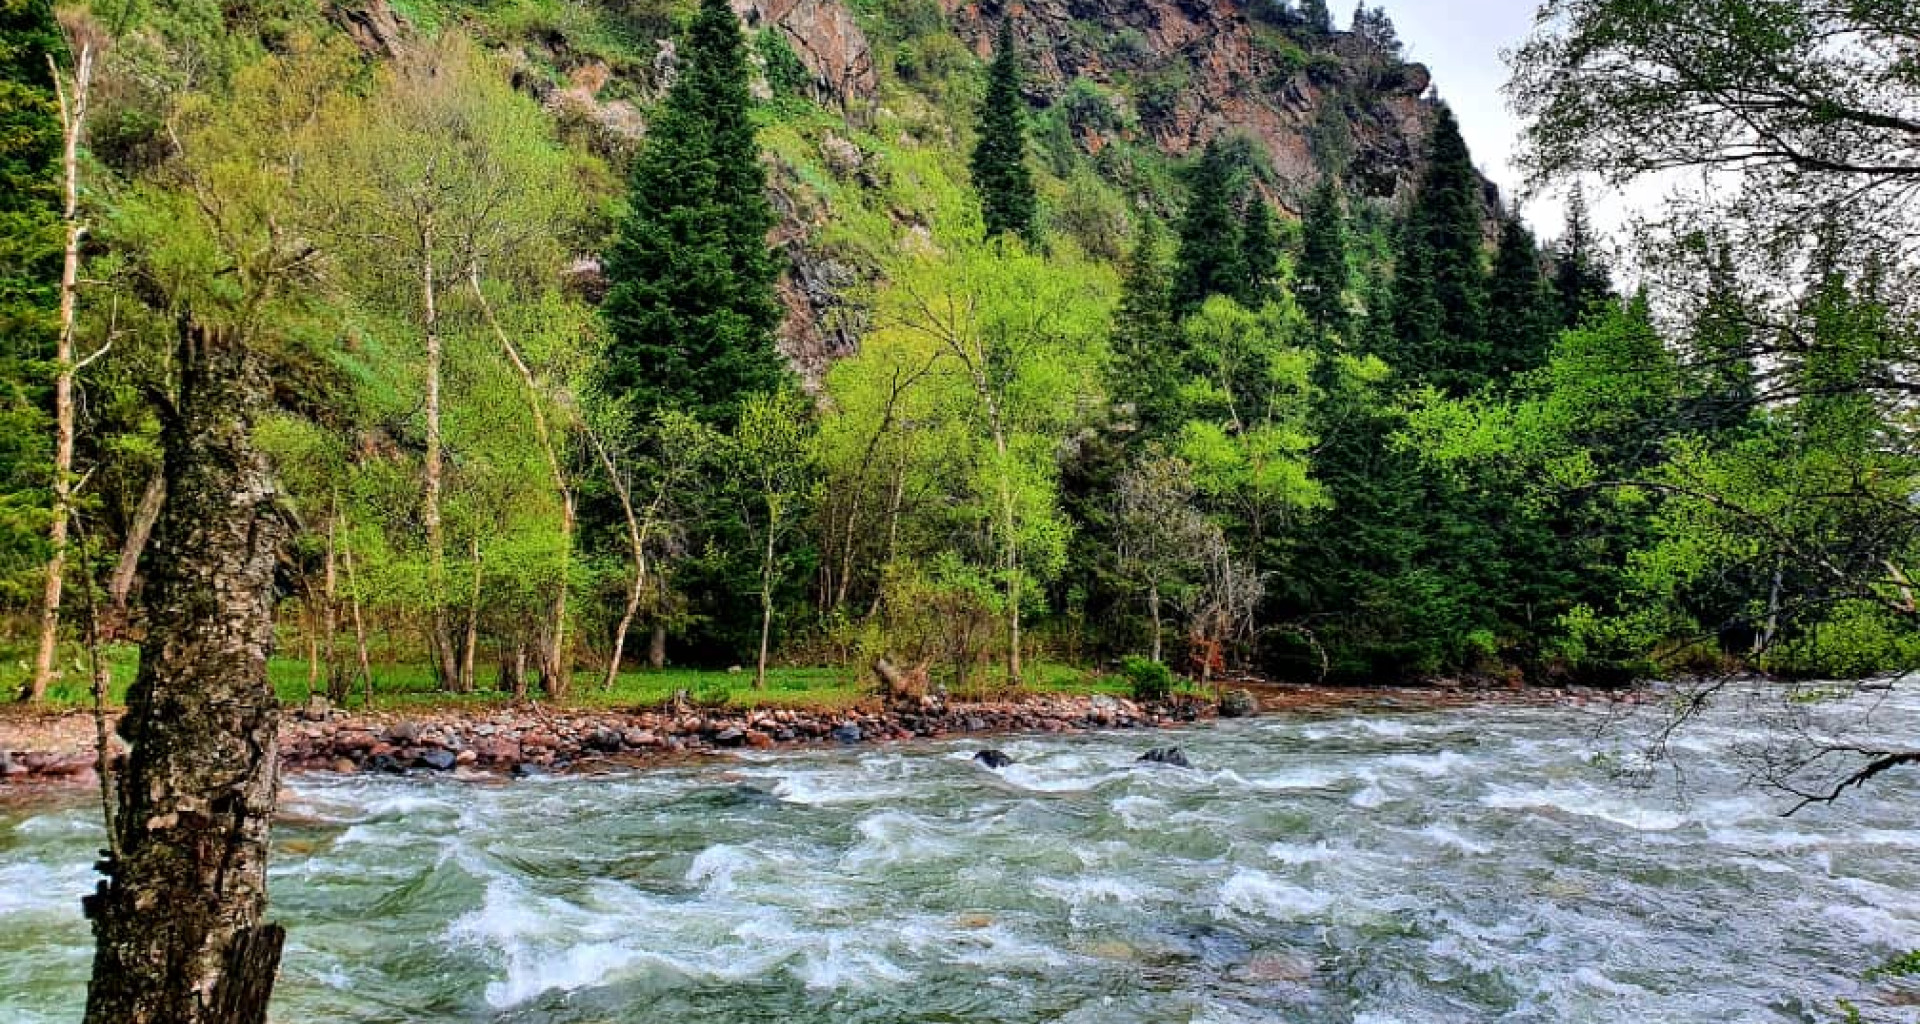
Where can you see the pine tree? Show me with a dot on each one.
(1211, 261)
(1320, 281)
(1146, 336)
(1259, 252)
(691, 309)
(1579, 278)
(999, 162)
(1439, 284)
(30, 241)
(1318, 16)
(1720, 352)
(1520, 315)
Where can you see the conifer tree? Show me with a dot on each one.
(1145, 335)
(1318, 16)
(30, 239)
(1320, 280)
(1439, 283)
(1211, 261)
(1579, 278)
(1259, 252)
(999, 162)
(1520, 315)
(691, 307)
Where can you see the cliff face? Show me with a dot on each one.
(1183, 72)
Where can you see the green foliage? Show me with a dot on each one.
(786, 75)
(1212, 260)
(691, 310)
(1147, 679)
(999, 163)
(1439, 293)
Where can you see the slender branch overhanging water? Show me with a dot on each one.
(1467, 865)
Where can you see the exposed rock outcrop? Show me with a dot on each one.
(828, 40)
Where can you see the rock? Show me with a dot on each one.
(828, 40)
(317, 708)
(639, 738)
(9, 768)
(993, 758)
(1238, 704)
(436, 760)
(385, 763)
(403, 733)
(1172, 756)
(974, 724)
(847, 732)
(605, 740)
(730, 737)
(525, 770)
(842, 158)
(759, 740)
(344, 766)
(786, 736)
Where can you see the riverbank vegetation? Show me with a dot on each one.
(531, 420)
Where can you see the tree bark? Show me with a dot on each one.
(73, 120)
(637, 544)
(657, 646)
(1153, 606)
(359, 625)
(471, 644)
(178, 919)
(120, 587)
(444, 662)
(766, 608)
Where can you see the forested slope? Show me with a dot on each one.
(955, 335)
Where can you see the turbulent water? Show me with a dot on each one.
(1474, 865)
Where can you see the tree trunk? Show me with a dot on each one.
(177, 920)
(359, 626)
(73, 120)
(472, 641)
(657, 646)
(330, 613)
(637, 544)
(766, 609)
(120, 588)
(1153, 607)
(442, 639)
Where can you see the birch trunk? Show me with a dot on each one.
(636, 542)
(73, 120)
(442, 640)
(179, 918)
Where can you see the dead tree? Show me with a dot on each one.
(178, 919)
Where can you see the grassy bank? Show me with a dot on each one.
(412, 685)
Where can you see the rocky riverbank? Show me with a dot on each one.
(530, 739)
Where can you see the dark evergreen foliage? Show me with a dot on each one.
(1320, 280)
(999, 164)
(1259, 253)
(1521, 318)
(1211, 260)
(1580, 279)
(1439, 279)
(1146, 335)
(691, 309)
(30, 242)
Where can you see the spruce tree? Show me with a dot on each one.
(1259, 252)
(999, 164)
(1320, 280)
(1520, 316)
(691, 308)
(30, 244)
(1439, 283)
(1318, 16)
(1211, 261)
(1579, 278)
(1146, 335)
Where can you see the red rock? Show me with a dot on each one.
(759, 740)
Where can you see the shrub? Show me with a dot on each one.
(1151, 680)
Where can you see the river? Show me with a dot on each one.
(1483, 864)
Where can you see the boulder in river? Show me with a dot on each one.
(1172, 756)
(993, 758)
(435, 760)
(1238, 704)
(847, 732)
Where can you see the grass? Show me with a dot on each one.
(411, 685)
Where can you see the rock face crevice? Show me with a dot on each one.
(828, 40)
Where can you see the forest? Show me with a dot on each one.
(532, 418)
